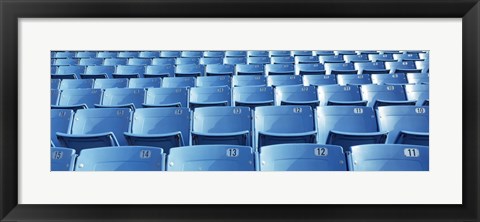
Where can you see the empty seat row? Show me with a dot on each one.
(215, 54)
(345, 126)
(283, 157)
(249, 96)
(181, 70)
(204, 81)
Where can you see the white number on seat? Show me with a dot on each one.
(411, 152)
(57, 155)
(321, 151)
(145, 154)
(232, 152)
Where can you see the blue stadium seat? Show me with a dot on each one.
(64, 54)
(319, 80)
(367, 52)
(149, 54)
(145, 83)
(279, 53)
(211, 158)
(235, 60)
(122, 98)
(258, 60)
(163, 61)
(345, 52)
(356, 58)
(86, 54)
(189, 70)
(166, 97)
(219, 69)
(160, 127)
(354, 79)
(114, 61)
(60, 121)
(423, 65)
(207, 81)
(210, 96)
(97, 128)
(389, 157)
(62, 159)
(253, 96)
(128, 54)
(155, 71)
(98, 72)
(54, 83)
(385, 95)
(419, 93)
(139, 62)
(170, 54)
(302, 157)
(249, 80)
(406, 57)
(78, 99)
(340, 68)
(222, 125)
(257, 53)
(284, 80)
(371, 68)
(69, 72)
(107, 54)
(76, 84)
(418, 78)
(424, 55)
(53, 69)
(284, 124)
(307, 59)
(187, 61)
(176, 82)
(242, 69)
(392, 79)
(210, 61)
(280, 69)
(283, 60)
(331, 59)
(340, 95)
(235, 54)
(347, 126)
(402, 67)
(301, 53)
(214, 54)
(381, 57)
(405, 124)
(65, 62)
(54, 94)
(129, 71)
(192, 54)
(91, 62)
(309, 69)
(298, 95)
(110, 83)
(323, 52)
(124, 158)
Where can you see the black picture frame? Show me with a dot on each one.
(12, 10)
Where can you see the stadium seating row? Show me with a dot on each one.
(269, 125)
(203, 81)
(393, 54)
(148, 69)
(284, 157)
(249, 96)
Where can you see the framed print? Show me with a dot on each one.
(273, 110)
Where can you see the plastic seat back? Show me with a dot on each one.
(177, 82)
(127, 97)
(115, 61)
(249, 69)
(355, 79)
(338, 95)
(110, 83)
(371, 68)
(219, 69)
(389, 157)
(69, 98)
(99, 72)
(284, 80)
(296, 95)
(247, 80)
(60, 121)
(166, 97)
(253, 96)
(189, 70)
(419, 93)
(309, 69)
(76, 84)
(280, 69)
(378, 94)
(207, 81)
(396, 78)
(145, 83)
(405, 124)
(139, 62)
(211, 158)
(302, 157)
(319, 80)
(210, 96)
(124, 158)
(210, 61)
(62, 159)
(340, 68)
